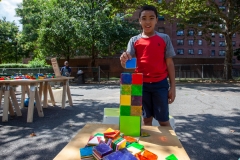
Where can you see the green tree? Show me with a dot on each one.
(8, 42)
(208, 16)
(30, 13)
(100, 32)
(57, 35)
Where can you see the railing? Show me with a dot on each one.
(95, 74)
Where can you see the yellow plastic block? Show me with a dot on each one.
(136, 110)
(125, 100)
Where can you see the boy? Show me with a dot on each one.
(154, 52)
(66, 70)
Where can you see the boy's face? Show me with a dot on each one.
(148, 20)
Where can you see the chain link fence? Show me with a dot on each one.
(97, 75)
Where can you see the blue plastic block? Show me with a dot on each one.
(126, 78)
(131, 64)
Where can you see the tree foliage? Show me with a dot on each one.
(8, 41)
(67, 28)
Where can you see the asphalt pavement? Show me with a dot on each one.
(207, 119)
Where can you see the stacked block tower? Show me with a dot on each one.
(131, 104)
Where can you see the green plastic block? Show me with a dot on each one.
(130, 125)
(112, 112)
(171, 157)
(125, 110)
(137, 90)
(125, 89)
(136, 145)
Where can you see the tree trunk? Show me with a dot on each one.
(93, 64)
(227, 74)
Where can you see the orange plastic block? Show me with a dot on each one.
(140, 157)
(149, 155)
(136, 110)
(130, 139)
(114, 135)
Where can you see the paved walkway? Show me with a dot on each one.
(207, 120)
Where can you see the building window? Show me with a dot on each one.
(180, 42)
(199, 33)
(161, 29)
(213, 53)
(199, 42)
(190, 51)
(161, 18)
(221, 26)
(234, 35)
(199, 24)
(213, 43)
(223, 8)
(213, 34)
(180, 33)
(200, 51)
(234, 61)
(233, 43)
(221, 35)
(180, 51)
(190, 42)
(120, 15)
(190, 32)
(222, 53)
(221, 44)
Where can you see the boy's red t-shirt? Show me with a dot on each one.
(151, 54)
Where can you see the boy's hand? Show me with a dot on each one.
(124, 57)
(171, 95)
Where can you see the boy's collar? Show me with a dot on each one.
(145, 36)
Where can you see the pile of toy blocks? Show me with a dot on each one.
(113, 145)
(131, 104)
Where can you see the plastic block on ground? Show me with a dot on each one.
(130, 125)
(111, 116)
(114, 112)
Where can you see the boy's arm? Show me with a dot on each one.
(124, 57)
(171, 75)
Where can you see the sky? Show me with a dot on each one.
(7, 9)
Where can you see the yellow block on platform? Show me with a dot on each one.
(125, 100)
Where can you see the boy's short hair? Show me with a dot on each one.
(148, 8)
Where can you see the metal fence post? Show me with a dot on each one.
(227, 71)
(98, 74)
(179, 72)
(202, 71)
